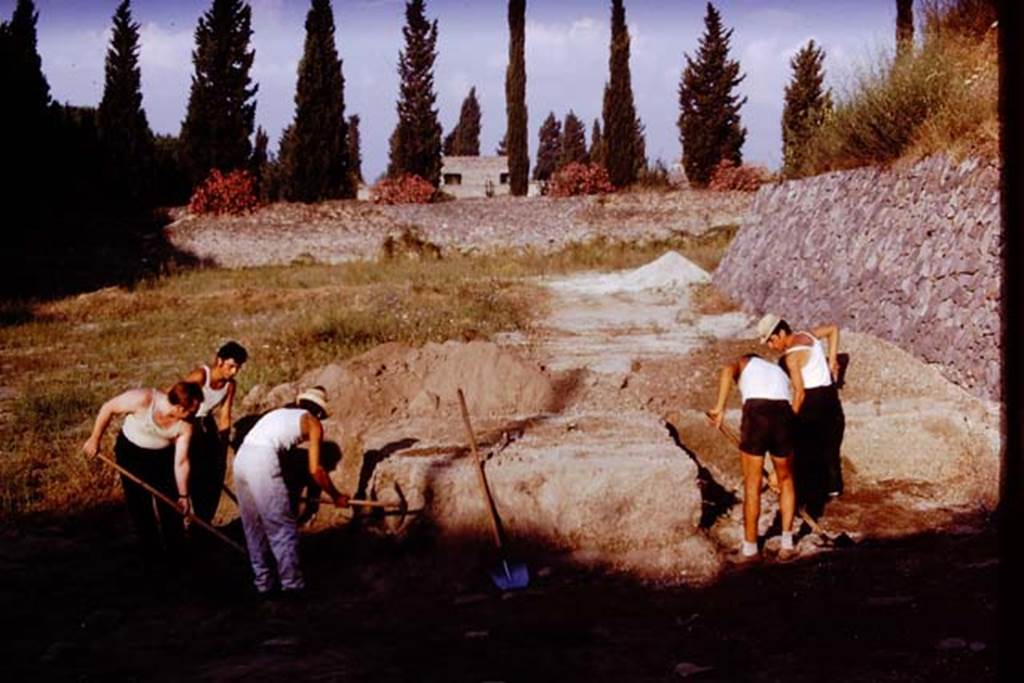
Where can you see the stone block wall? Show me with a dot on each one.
(911, 255)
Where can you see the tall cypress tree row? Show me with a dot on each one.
(221, 108)
(596, 152)
(515, 140)
(355, 151)
(619, 113)
(27, 124)
(416, 141)
(548, 148)
(573, 148)
(316, 163)
(709, 119)
(806, 106)
(120, 120)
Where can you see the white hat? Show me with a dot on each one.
(317, 395)
(767, 325)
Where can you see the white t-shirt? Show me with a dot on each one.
(761, 379)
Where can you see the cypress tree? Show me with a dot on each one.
(448, 147)
(904, 27)
(596, 152)
(619, 111)
(416, 141)
(515, 140)
(221, 108)
(573, 146)
(548, 149)
(467, 137)
(355, 152)
(709, 120)
(639, 146)
(806, 105)
(120, 120)
(316, 161)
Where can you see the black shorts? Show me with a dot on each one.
(767, 427)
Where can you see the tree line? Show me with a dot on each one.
(109, 153)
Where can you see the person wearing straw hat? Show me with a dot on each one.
(268, 519)
(820, 422)
(766, 428)
(212, 424)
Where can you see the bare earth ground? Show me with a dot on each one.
(913, 599)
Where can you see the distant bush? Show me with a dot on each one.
(729, 176)
(234, 193)
(654, 178)
(940, 98)
(405, 189)
(579, 179)
(410, 243)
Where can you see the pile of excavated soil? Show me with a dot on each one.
(394, 383)
(670, 271)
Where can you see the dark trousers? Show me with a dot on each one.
(819, 436)
(208, 459)
(159, 531)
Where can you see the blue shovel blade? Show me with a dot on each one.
(510, 576)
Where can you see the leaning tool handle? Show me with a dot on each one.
(480, 473)
(174, 506)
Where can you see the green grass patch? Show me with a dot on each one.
(63, 358)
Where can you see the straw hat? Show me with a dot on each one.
(316, 395)
(767, 325)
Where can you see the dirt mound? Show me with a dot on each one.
(670, 271)
(395, 382)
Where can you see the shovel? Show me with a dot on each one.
(174, 506)
(511, 575)
(842, 540)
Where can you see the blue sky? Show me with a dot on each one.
(566, 59)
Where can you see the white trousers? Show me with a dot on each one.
(267, 518)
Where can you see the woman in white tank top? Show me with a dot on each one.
(153, 444)
(766, 429)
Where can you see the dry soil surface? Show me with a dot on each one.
(911, 598)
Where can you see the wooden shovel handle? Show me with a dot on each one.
(172, 504)
(488, 500)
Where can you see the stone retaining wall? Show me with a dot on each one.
(910, 255)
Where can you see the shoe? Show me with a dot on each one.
(787, 554)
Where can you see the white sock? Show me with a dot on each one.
(749, 548)
(787, 540)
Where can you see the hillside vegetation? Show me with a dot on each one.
(940, 97)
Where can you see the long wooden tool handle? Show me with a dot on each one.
(488, 500)
(726, 431)
(173, 505)
(353, 502)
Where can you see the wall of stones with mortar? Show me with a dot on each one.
(911, 255)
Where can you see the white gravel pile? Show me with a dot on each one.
(670, 271)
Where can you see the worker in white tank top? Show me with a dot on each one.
(213, 425)
(766, 429)
(820, 419)
(805, 359)
(153, 444)
(268, 520)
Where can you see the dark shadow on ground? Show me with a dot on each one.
(72, 255)
(916, 608)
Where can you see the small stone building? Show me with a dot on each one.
(464, 177)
